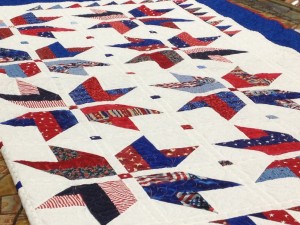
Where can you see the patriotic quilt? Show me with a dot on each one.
(149, 112)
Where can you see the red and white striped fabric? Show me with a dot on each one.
(219, 58)
(119, 194)
(62, 201)
(41, 104)
(26, 88)
(162, 178)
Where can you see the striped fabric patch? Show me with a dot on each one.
(130, 112)
(162, 178)
(62, 201)
(119, 194)
(26, 88)
(219, 58)
(41, 104)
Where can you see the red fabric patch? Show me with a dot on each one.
(252, 133)
(120, 27)
(18, 21)
(75, 6)
(231, 33)
(187, 38)
(5, 33)
(163, 61)
(78, 49)
(170, 25)
(132, 160)
(281, 216)
(30, 69)
(125, 175)
(95, 90)
(48, 18)
(73, 107)
(277, 149)
(218, 105)
(46, 124)
(206, 18)
(177, 152)
(45, 53)
(187, 127)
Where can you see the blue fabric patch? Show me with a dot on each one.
(223, 27)
(81, 96)
(120, 91)
(193, 105)
(155, 97)
(274, 95)
(271, 117)
(95, 138)
(13, 70)
(164, 20)
(273, 138)
(141, 43)
(242, 220)
(93, 4)
(137, 13)
(178, 42)
(275, 173)
(19, 185)
(59, 51)
(64, 118)
(56, 7)
(232, 100)
(153, 156)
(185, 5)
(15, 55)
(19, 122)
(167, 191)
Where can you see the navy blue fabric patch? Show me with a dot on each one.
(19, 185)
(95, 138)
(155, 96)
(96, 200)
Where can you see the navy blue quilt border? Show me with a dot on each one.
(271, 29)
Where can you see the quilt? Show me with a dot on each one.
(150, 112)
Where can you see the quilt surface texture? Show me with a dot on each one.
(148, 113)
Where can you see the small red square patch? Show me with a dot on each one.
(73, 107)
(187, 127)
(125, 175)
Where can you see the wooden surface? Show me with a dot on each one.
(11, 211)
(286, 14)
